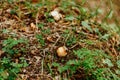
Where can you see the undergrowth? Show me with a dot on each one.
(92, 44)
(95, 64)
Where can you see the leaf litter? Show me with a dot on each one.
(41, 50)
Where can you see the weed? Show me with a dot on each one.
(49, 18)
(44, 31)
(70, 38)
(5, 31)
(10, 44)
(10, 69)
(10, 1)
(32, 9)
(86, 25)
(88, 42)
(40, 39)
(88, 60)
(41, 26)
(69, 18)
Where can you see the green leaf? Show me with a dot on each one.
(105, 36)
(55, 64)
(4, 75)
(41, 26)
(118, 63)
(69, 18)
(71, 40)
(16, 65)
(50, 20)
(63, 68)
(10, 1)
(110, 14)
(86, 25)
(117, 72)
(82, 53)
(83, 2)
(40, 39)
(72, 62)
(5, 31)
(108, 62)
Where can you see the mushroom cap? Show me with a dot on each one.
(61, 51)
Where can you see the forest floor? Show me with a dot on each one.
(32, 32)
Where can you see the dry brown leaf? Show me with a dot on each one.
(24, 29)
(56, 15)
(49, 38)
(33, 52)
(18, 55)
(37, 58)
(1, 10)
(33, 26)
(1, 52)
(35, 1)
(23, 76)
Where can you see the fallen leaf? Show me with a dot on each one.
(17, 55)
(35, 1)
(24, 29)
(108, 62)
(1, 52)
(56, 15)
(33, 26)
(49, 38)
(23, 76)
(85, 24)
(33, 52)
(37, 58)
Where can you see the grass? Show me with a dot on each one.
(40, 39)
(92, 41)
(92, 62)
(9, 69)
(10, 44)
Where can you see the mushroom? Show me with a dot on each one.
(61, 51)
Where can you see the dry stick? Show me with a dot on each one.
(36, 20)
(42, 65)
(45, 76)
(37, 15)
(66, 38)
(55, 42)
(42, 62)
(18, 18)
(74, 45)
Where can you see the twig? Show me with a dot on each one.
(55, 42)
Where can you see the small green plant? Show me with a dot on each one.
(10, 44)
(43, 30)
(49, 18)
(69, 18)
(40, 39)
(70, 38)
(9, 69)
(41, 26)
(10, 1)
(32, 9)
(86, 25)
(5, 31)
(91, 63)
(88, 42)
